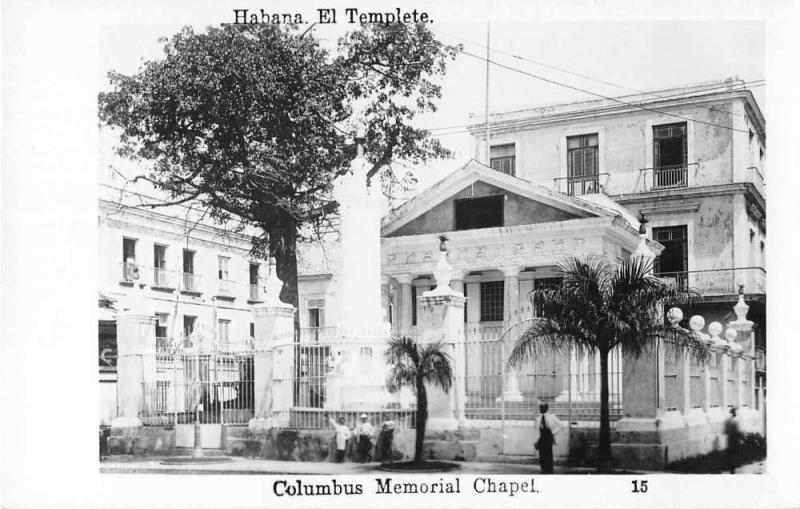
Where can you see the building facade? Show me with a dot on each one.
(689, 162)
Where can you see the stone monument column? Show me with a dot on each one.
(442, 320)
(274, 325)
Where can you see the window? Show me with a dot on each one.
(413, 305)
(252, 330)
(254, 273)
(224, 331)
(582, 162)
(315, 317)
(492, 301)
(669, 156)
(543, 284)
(189, 279)
(486, 212)
(503, 159)
(159, 265)
(129, 269)
(673, 262)
(161, 325)
(223, 265)
(189, 324)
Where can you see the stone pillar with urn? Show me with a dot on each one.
(442, 321)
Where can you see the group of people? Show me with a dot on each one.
(549, 428)
(363, 434)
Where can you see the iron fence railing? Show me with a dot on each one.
(755, 177)
(163, 278)
(190, 282)
(130, 271)
(667, 177)
(715, 282)
(586, 184)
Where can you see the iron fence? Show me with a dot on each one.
(184, 381)
(567, 381)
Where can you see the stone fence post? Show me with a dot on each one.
(442, 320)
(274, 324)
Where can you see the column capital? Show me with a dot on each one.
(510, 270)
(404, 279)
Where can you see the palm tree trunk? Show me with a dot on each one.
(422, 418)
(604, 451)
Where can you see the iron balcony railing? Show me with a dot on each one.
(717, 282)
(755, 177)
(163, 278)
(190, 282)
(667, 177)
(130, 271)
(586, 184)
(255, 292)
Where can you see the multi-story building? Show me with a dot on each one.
(691, 161)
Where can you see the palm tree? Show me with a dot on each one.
(597, 308)
(413, 365)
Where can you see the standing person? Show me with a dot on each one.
(734, 438)
(342, 436)
(383, 449)
(549, 426)
(364, 432)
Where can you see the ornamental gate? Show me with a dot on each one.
(197, 379)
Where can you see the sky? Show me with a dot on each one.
(634, 55)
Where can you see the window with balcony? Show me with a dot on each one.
(669, 156)
(485, 212)
(254, 290)
(130, 270)
(674, 260)
(492, 301)
(160, 275)
(189, 277)
(162, 337)
(582, 165)
(502, 158)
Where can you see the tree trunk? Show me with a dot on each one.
(604, 451)
(422, 418)
(283, 246)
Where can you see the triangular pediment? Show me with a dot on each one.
(433, 210)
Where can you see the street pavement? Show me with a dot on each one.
(248, 466)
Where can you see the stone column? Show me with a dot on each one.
(406, 301)
(274, 324)
(442, 320)
(386, 298)
(510, 294)
(136, 338)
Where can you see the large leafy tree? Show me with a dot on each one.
(597, 308)
(251, 122)
(413, 365)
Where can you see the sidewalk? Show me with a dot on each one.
(248, 466)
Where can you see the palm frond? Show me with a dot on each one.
(436, 366)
